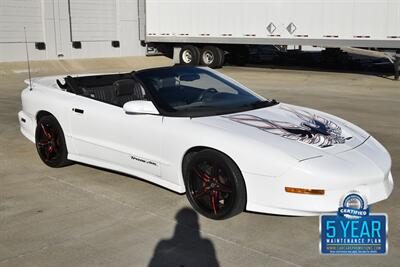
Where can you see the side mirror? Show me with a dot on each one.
(140, 107)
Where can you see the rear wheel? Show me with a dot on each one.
(189, 55)
(50, 142)
(214, 185)
(212, 56)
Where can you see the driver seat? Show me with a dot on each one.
(126, 90)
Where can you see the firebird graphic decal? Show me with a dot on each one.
(313, 129)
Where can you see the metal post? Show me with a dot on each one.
(397, 67)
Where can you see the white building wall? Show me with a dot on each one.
(59, 23)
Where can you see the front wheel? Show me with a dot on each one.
(214, 185)
(50, 142)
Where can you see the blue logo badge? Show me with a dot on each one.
(354, 206)
(353, 230)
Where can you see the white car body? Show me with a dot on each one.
(152, 147)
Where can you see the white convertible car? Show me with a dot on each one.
(193, 130)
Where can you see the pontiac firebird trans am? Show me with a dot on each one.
(194, 130)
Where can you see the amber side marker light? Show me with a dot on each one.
(305, 191)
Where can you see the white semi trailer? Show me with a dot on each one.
(204, 31)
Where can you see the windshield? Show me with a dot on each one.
(198, 91)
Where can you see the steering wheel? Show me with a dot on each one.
(209, 91)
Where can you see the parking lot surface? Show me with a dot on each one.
(84, 216)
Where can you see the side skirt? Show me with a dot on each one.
(141, 175)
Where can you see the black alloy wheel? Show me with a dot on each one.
(50, 142)
(214, 185)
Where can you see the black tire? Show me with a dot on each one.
(189, 55)
(214, 184)
(50, 142)
(212, 56)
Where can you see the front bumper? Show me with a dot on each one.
(276, 201)
(365, 169)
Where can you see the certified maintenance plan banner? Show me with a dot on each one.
(366, 235)
(353, 230)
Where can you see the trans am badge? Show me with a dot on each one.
(353, 230)
(312, 129)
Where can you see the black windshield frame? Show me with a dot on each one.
(168, 111)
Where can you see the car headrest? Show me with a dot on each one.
(124, 87)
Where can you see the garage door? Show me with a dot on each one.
(14, 15)
(93, 20)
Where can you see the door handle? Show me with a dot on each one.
(77, 110)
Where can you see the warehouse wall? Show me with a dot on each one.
(90, 25)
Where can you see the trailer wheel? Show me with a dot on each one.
(212, 56)
(190, 55)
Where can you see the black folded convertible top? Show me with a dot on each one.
(75, 84)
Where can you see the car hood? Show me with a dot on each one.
(300, 132)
